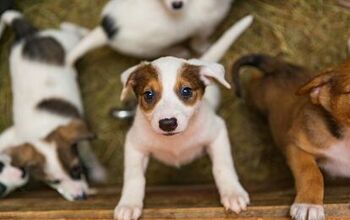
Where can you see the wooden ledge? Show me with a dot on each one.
(193, 202)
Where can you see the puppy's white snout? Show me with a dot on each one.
(168, 124)
(177, 5)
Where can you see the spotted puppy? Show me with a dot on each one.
(128, 27)
(47, 109)
(11, 177)
(312, 130)
(176, 122)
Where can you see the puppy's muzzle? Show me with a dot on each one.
(177, 5)
(168, 124)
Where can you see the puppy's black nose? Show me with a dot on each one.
(80, 197)
(168, 124)
(3, 189)
(177, 5)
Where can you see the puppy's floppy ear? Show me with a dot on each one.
(127, 81)
(75, 131)
(211, 70)
(315, 85)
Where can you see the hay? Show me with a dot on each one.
(309, 32)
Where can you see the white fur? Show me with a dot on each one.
(33, 82)
(300, 211)
(10, 176)
(148, 35)
(336, 159)
(199, 131)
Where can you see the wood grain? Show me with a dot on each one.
(192, 202)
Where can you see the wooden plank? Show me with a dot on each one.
(194, 202)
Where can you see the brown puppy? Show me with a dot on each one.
(313, 131)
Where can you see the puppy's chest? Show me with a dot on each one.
(177, 152)
(336, 160)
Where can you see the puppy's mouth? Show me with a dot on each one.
(171, 133)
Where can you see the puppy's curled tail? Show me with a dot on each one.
(15, 20)
(97, 38)
(265, 63)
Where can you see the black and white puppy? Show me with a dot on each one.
(48, 120)
(149, 29)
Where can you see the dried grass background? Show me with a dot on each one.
(307, 32)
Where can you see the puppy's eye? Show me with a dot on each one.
(76, 172)
(186, 92)
(148, 96)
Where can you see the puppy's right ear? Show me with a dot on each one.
(127, 79)
(315, 86)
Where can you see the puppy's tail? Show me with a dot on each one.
(97, 38)
(265, 63)
(15, 20)
(219, 48)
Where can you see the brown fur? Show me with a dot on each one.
(189, 76)
(27, 156)
(66, 139)
(145, 78)
(304, 127)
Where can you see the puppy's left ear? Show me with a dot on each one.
(127, 81)
(75, 131)
(210, 71)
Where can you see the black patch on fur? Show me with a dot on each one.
(59, 107)
(23, 29)
(109, 26)
(332, 125)
(44, 49)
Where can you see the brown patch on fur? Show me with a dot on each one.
(304, 127)
(27, 156)
(66, 139)
(189, 76)
(143, 79)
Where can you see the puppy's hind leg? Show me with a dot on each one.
(233, 196)
(95, 171)
(308, 202)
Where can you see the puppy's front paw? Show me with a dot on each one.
(235, 202)
(127, 212)
(300, 211)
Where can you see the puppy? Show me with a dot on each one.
(47, 109)
(312, 130)
(11, 177)
(176, 122)
(129, 27)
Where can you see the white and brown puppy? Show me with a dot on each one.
(176, 122)
(47, 108)
(11, 177)
(149, 29)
